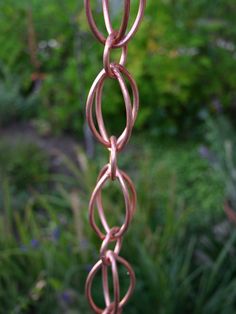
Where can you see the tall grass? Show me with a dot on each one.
(183, 254)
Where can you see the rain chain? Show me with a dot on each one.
(109, 259)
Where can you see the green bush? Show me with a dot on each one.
(14, 106)
(23, 163)
(179, 58)
(24, 169)
(222, 154)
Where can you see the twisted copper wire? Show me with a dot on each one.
(109, 259)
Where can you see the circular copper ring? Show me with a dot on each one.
(107, 52)
(124, 22)
(127, 37)
(94, 271)
(113, 157)
(124, 137)
(130, 200)
(131, 114)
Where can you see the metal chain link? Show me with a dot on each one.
(110, 259)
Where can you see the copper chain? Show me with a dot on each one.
(109, 259)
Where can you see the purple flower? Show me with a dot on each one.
(204, 152)
(217, 105)
(34, 243)
(56, 234)
(66, 296)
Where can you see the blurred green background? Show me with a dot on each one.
(182, 157)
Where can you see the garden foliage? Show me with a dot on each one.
(181, 243)
(183, 57)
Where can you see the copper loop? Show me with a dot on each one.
(130, 200)
(113, 158)
(88, 287)
(131, 110)
(116, 284)
(125, 20)
(108, 239)
(125, 38)
(109, 259)
(107, 51)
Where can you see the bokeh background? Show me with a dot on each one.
(182, 157)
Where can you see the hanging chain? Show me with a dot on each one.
(110, 258)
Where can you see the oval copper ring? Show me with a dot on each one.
(106, 14)
(114, 259)
(133, 192)
(129, 197)
(125, 20)
(125, 38)
(133, 201)
(107, 52)
(96, 89)
(103, 136)
(131, 110)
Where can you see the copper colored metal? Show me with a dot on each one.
(112, 235)
(125, 38)
(113, 158)
(129, 194)
(125, 20)
(131, 110)
(106, 55)
(107, 240)
(97, 88)
(99, 265)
